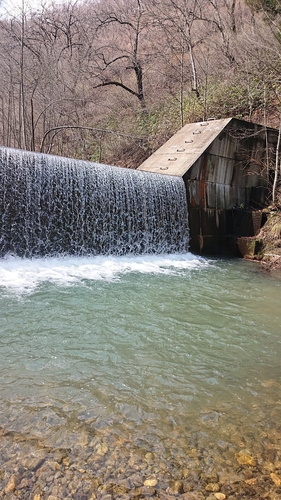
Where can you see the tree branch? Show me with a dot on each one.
(69, 127)
(118, 84)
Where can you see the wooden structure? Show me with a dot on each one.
(223, 164)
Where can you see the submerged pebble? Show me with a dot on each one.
(104, 472)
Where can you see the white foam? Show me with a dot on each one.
(24, 275)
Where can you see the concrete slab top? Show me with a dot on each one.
(180, 152)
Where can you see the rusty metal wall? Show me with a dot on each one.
(225, 184)
(221, 163)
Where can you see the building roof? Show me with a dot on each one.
(181, 151)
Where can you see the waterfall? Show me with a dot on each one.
(51, 205)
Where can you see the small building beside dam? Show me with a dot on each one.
(226, 166)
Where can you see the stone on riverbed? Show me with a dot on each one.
(244, 457)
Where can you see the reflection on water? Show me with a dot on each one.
(146, 376)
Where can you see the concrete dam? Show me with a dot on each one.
(199, 191)
(52, 206)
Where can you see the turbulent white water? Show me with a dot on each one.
(52, 206)
(25, 275)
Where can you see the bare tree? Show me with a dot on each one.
(122, 27)
(178, 20)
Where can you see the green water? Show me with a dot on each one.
(165, 353)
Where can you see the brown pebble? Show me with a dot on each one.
(12, 484)
(220, 496)
(135, 480)
(230, 478)
(149, 457)
(66, 462)
(252, 481)
(53, 465)
(143, 491)
(96, 482)
(196, 495)
(101, 449)
(150, 482)
(119, 490)
(25, 483)
(176, 488)
(276, 479)
(244, 458)
(209, 477)
(212, 487)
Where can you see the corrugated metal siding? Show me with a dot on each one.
(220, 162)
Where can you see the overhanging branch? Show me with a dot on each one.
(117, 84)
(81, 127)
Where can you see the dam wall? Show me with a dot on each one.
(53, 206)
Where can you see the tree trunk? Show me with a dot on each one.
(276, 172)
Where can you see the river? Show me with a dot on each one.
(148, 376)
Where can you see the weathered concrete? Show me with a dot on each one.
(222, 163)
(182, 150)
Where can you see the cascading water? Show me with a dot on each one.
(51, 205)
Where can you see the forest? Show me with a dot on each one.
(112, 80)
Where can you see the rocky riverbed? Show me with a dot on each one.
(216, 461)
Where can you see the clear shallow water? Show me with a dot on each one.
(165, 353)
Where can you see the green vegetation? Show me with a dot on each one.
(270, 238)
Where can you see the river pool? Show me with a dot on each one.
(137, 377)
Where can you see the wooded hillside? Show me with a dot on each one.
(111, 80)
